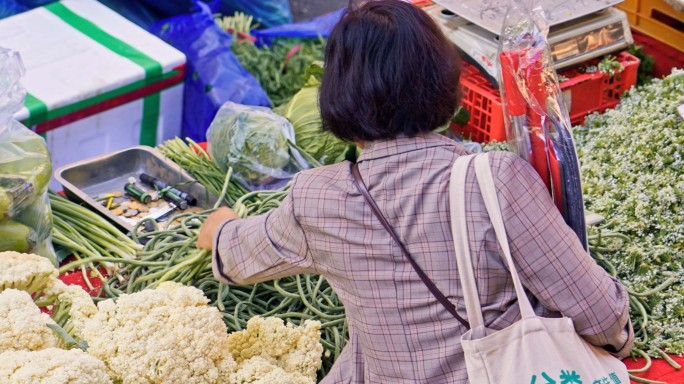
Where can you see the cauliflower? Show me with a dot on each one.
(73, 306)
(163, 335)
(51, 366)
(26, 272)
(22, 325)
(294, 349)
(259, 370)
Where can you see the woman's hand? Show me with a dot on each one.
(205, 240)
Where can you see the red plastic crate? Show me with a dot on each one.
(483, 101)
(583, 93)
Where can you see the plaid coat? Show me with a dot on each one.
(398, 332)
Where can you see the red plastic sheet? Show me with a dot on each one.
(660, 370)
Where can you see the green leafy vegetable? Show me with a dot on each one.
(281, 69)
(304, 114)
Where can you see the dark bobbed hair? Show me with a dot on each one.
(389, 71)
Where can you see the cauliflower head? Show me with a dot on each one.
(294, 349)
(72, 306)
(52, 366)
(260, 370)
(26, 272)
(163, 335)
(22, 325)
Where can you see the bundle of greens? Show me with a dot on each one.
(194, 159)
(280, 68)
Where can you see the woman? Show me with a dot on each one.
(391, 78)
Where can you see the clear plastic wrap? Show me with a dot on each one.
(25, 170)
(256, 143)
(537, 123)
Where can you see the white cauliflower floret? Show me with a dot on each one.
(22, 325)
(294, 349)
(52, 366)
(259, 370)
(26, 272)
(163, 335)
(73, 306)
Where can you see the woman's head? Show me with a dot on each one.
(389, 71)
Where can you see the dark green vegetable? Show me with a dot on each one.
(281, 68)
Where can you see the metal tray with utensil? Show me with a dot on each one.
(87, 180)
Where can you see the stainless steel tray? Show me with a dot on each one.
(83, 181)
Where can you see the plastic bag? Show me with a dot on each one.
(255, 142)
(11, 8)
(268, 13)
(213, 74)
(35, 3)
(25, 170)
(537, 123)
(319, 26)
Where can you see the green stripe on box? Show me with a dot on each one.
(150, 119)
(37, 109)
(88, 28)
(77, 106)
(153, 69)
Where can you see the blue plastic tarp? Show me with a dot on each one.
(213, 73)
(319, 26)
(135, 11)
(10, 8)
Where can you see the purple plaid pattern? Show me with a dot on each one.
(399, 333)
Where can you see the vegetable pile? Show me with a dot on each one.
(633, 172)
(279, 68)
(162, 335)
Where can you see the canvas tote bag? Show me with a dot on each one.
(534, 350)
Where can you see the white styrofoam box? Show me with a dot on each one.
(112, 130)
(87, 71)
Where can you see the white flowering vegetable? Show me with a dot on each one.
(26, 272)
(632, 163)
(22, 325)
(52, 366)
(294, 349)
(163, 335)
(71, 306)
(260, 370)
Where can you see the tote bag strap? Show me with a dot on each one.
(460, 234)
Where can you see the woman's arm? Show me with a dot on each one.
(554, 266)
(260, 248)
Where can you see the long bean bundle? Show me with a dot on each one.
(87, 236)
(194, 159)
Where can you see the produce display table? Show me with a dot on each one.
(660, 370)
